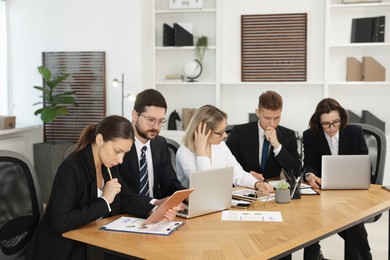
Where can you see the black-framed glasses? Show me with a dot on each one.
(152, 121)
(335, 123)
(220, 133)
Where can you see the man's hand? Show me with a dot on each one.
(258, 176)
(270, 134)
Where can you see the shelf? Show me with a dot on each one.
(186, 11)
(362, 5)
(197, 83)
(300, 83)
(181, 48)
(360, 83)
(359, 45)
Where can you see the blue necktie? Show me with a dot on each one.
(143, 172)
(264, 154)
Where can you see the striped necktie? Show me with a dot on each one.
(143, 172)
(264, 154)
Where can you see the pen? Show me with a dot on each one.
(109, 172)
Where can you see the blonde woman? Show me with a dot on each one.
(204, 148)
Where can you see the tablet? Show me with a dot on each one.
(171, 202)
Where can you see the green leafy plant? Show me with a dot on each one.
(54, 103)
(282, 185)
(200, 47)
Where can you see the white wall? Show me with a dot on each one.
(73, 25)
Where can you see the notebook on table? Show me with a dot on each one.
(212, 192)
(346, 172)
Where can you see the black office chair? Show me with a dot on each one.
(21, 204)
(376, 143)
(173, 146)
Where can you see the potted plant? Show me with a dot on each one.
(48, 155)
(200, 48)
(194, 68)
(282, 192)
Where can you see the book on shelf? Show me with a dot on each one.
(368, 29)
(372, 70)
(168, 35)
(174, 77)
(183, 34)
(354, 69)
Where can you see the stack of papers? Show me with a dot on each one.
(128, 224)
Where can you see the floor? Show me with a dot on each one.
(333, 247)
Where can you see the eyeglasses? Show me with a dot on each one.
(152, 121)
(335, 123)
(220, 133)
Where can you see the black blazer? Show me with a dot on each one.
(243, 142)
(74, 203)
(351, 141)
(165, 179)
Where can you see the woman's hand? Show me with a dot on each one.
(314, 181)
(201, 139)
(111, 189)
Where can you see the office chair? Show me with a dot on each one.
(173, 146)
(69, 150)
(21, 204)
(376, 143)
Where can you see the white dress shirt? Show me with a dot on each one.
(138, 145)
(187, 162)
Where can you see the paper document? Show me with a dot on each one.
(129, 224)
(269, 216)
(305, 189)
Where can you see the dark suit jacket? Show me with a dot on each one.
(165, 179)
(351, 141)
(243, 142)
(74, 203)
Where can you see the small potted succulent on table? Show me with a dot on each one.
(282, 192)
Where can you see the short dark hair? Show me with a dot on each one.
(270, 100)
(326, 106)
(149, 97)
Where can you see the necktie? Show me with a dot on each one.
(143, 172)
(264, 154)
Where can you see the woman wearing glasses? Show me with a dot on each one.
(330, 134)
(204, 148)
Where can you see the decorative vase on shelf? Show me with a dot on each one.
(193, 69)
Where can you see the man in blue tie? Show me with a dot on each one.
(264, 147)
(147, 169)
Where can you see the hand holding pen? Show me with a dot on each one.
(111, 188)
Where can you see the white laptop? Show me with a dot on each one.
(212, 192)
(346, 172)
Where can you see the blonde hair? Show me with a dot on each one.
(207, 114)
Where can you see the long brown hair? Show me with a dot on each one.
(110, 128)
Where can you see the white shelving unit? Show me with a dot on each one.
(328, 36)
(171, 60)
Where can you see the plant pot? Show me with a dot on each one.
(282, 196)
(47, 158)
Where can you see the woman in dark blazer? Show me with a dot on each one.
(330, 134)
(87, 187)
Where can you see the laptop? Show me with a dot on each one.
(212, 192)
(346, 172)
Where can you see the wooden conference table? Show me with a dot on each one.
(305, 221)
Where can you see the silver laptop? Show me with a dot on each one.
(212, 192)
(346, 172)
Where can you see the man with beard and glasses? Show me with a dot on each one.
(147, 168)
